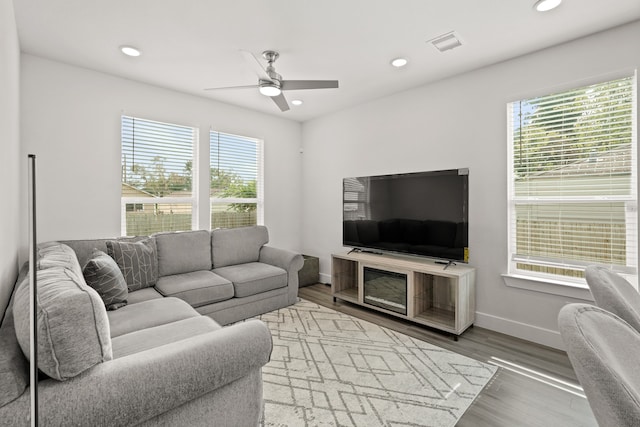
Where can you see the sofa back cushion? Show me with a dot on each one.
(72, 323)
(237, 245)
(183, 252)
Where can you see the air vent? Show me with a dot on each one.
(446, 41)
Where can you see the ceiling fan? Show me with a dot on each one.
(271, 84)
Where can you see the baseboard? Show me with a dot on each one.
(325, 278)
(524, 331)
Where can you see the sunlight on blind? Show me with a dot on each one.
(573, 195)
(236, 182)
(157, 176)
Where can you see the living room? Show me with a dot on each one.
(69, 116)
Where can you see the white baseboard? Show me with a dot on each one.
(325, 278)
(524, 331)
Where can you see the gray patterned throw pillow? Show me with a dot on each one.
(137, 261)
(103, 274)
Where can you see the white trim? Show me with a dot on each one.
(520, 330)
(549, 286)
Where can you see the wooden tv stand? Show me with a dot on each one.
(439, 297)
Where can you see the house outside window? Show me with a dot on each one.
(236, 180)
(157, 177)
(573, 182)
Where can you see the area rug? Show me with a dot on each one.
(331, 369)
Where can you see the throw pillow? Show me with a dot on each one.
(103, 274)
(137, 261)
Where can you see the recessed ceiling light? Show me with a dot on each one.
(129, 51)
(297, 102)
(399, 62)
(545, 5)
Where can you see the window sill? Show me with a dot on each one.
(547, 286)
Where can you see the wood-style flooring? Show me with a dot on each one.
(525, 394)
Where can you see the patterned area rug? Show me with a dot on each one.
(332, 369)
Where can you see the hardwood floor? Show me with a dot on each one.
(524, 394)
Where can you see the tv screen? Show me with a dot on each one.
(421, 213)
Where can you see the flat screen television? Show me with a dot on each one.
(421, 213)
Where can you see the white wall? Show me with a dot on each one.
(10, 159)
(457, 122)
(71, 121)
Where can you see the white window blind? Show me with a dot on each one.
(157, 177)
(572, 187)
(236, 180)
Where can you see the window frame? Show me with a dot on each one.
(259, 199)
(553, 283)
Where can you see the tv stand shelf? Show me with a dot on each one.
(435, 296)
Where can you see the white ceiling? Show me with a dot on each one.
(193, 44)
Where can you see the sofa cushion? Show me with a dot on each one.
(103, 274)
(148, 314)
(137, 261)
(143, 294)
(253, 278)
(183, 252)
(56, 254)
(151, 338)
(198, 288)
(237, 245)
(73, 328)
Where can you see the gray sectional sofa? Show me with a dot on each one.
(159, 355)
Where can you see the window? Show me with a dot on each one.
(572, 186)
(236, 187)
(157, 177)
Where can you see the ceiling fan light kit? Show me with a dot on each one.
(270, 83)
(268, 88)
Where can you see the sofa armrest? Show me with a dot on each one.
(135, 388)
(289, 261)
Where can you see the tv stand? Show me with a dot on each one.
(432, 296)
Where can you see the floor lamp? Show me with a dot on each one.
(33, 292)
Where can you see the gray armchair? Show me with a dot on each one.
(613, 293)
(604, 350)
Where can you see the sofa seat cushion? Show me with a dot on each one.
(183, 252)
(151, 338)
(144, 294)
(73, 327)
(197, 287)
(253, 278)
(148, 314)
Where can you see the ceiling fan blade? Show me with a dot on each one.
(255, 65)
(281, 102)
(309, 84)
(232, 87)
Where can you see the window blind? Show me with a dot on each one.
(573, 166)
(157, 176)
(236, 180)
